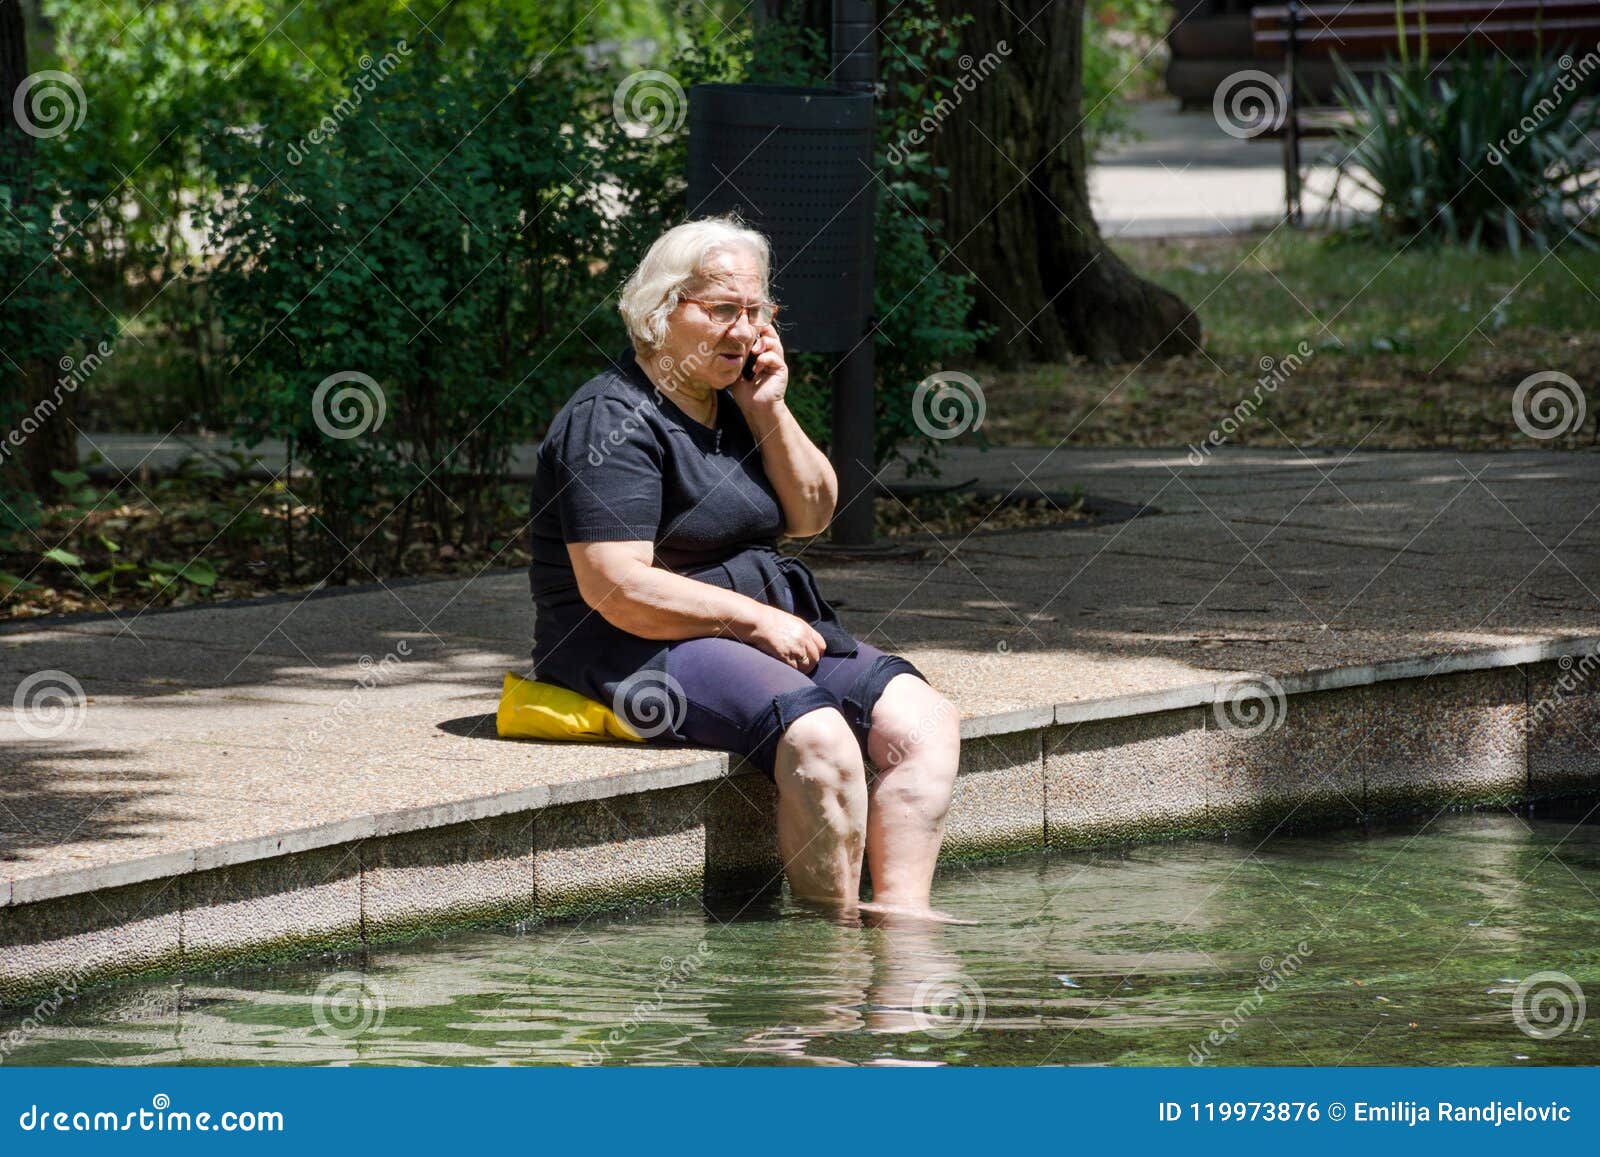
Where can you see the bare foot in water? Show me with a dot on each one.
(847, 913)
(873, 914)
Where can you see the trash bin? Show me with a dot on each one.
(796, 163)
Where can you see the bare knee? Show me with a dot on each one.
(819, 765)
(916, 741)
(913, 723)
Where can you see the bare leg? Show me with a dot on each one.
(916, 742)
(822, 809)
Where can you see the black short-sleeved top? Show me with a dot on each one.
(622, 463)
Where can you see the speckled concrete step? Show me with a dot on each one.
(1328, 747)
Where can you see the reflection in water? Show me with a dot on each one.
(1405, 945)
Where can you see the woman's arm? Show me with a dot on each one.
(620, 583)
(800, 473)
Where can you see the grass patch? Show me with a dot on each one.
(1420, 348)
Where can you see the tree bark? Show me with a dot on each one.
(13, 68)
(54, 445)
(1016, 203)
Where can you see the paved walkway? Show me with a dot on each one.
(207, 727)
(1184, 176)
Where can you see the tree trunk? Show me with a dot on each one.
(1016, 202)
(14, 143)
(54, 445)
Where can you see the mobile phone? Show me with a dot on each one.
(749, 371)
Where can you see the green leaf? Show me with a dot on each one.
(200, 573)
(14, 583)
(64, 557)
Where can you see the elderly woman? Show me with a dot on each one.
(658, 498)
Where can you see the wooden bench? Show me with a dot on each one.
(1367, 36)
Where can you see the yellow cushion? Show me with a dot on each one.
(530, 710)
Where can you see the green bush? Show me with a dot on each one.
(456, 235)
(1482, 156)
(434, 239)
(154, 74)
(53, 328)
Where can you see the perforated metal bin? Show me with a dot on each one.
(796, 164)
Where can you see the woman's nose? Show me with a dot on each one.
(743, 329)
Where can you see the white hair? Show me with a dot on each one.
(674, 263)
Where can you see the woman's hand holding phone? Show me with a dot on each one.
(765, 377)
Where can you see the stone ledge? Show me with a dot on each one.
(701, 766)
(1477, 727)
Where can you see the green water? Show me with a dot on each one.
(1414, 937)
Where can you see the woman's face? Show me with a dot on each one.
(707, 353)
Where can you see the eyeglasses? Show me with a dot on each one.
(728, 312)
